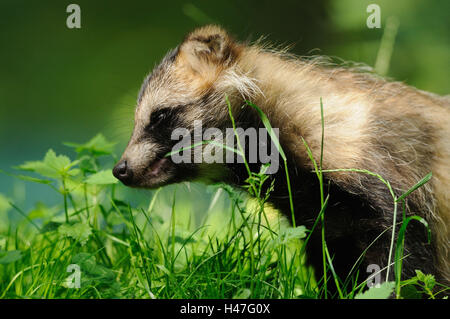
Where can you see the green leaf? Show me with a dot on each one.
(28, 178)
(98, 146)
(50, 226)
(103, 177)
(381, 292)
(242, 294)
(7, 257)
(420, 275)
(52, 166)
(401, 241)
(39, 167)
(412, 189)
(57, 162)
(86, 261)
(91, 270)
(269, 128)
(78, 231)
(291, 233)
(410, 292)
(428, 280)
(34, 179)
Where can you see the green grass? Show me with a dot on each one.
(155, 250)
(235, 248)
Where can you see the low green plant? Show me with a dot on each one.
(162, 247)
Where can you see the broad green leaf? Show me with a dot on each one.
(91, 270)
(242, 294)
(39, 167)
(290, 233)
(79, 231)
(98, 145)
(103, 177)
(102, 273)
(57, 162)
(51, 226)
(86, 261)
(428, 280)
(73, 172)
(381, 292)
(53, 166)
(7, 257)
(410, 292)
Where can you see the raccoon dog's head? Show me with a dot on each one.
(189, 85)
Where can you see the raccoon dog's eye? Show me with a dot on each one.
(159, 116)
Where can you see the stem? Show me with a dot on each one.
(291, 203)
(392, 238)
(86, 202)
(324, 244)
(398, 274)
(65, 199)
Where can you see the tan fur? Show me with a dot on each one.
(361, 112)
(386, 127)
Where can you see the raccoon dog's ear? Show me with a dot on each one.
(210, 44)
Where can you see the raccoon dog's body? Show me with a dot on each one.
(385, 127)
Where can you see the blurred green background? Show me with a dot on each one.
(59, 84)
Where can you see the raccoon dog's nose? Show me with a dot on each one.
(122, 172)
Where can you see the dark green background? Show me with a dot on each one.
(59, 84)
